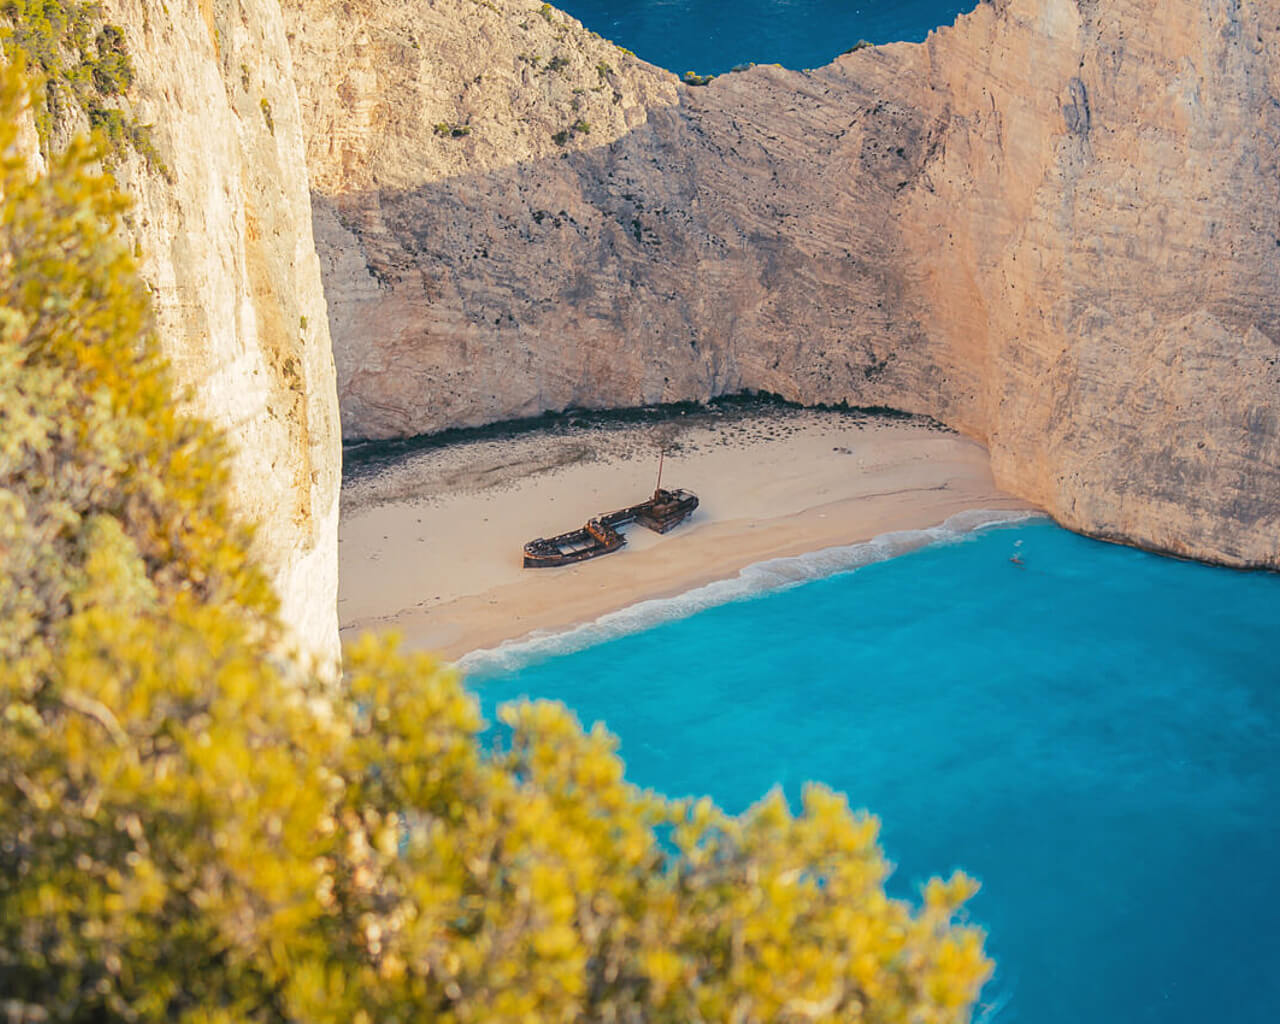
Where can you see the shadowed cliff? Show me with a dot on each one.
(1051, 226)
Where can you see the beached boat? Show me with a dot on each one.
(664, 511)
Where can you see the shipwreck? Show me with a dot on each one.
(663, 512)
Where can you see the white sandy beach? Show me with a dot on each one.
(430, 545)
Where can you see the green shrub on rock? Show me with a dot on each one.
(82, 62)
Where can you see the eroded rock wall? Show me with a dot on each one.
(406, 103)
(225, 243)
(1052, 226)
(1133, 313)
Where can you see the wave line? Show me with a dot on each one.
(752, 581)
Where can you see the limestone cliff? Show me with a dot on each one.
(414, 99)
(222, 225)
(1052, 225)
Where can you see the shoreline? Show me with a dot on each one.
(430, 542)
(756, 579)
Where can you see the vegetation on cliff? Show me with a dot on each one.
(193, 828)
(84, 66)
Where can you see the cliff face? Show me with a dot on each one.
(222, 223)
(1117, 208)
(1052, 226)
(404, 104)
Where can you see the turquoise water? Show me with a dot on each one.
(1094, 736)
(712, 36)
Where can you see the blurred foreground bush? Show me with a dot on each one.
(193, 829)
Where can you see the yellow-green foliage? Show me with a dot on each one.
(192, 829)
(83, 63)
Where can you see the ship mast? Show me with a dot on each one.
(661, 453)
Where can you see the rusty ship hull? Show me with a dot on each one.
(601, 535)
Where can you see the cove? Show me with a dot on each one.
(1092, 734)
(709, 36)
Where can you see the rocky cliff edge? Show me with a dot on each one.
(221, 224)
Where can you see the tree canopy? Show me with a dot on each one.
(193, 828)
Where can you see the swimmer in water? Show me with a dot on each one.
(1017, 560)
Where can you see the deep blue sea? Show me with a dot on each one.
(711, 36)
(1094, 734)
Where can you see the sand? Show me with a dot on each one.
(430, 541)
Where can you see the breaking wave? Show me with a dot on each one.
(759, 578)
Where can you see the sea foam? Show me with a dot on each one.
(758, 578)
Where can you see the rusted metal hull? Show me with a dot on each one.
(574, 546)
(661, 516)
(600, 536)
